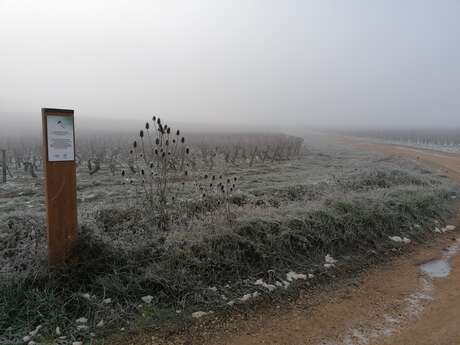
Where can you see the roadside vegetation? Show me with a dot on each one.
(198, 231)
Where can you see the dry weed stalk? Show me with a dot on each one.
(158, 160)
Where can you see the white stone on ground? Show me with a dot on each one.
(295, 276)
(260, 282)
(249, 296)
(399, 239)
(147, 299)
(199, 314)
(329, 259)
(35, 331)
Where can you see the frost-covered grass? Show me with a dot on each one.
(293, 222)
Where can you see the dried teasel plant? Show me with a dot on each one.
(157, 160)
(216, 191)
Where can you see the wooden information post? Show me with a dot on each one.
(60, 183)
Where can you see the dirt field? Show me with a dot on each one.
(395, 304)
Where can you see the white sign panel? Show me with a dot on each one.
(60, 138)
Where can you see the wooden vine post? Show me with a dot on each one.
(60, 183)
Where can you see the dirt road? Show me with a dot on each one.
(397, 304)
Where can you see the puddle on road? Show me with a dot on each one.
(441, 268)
(413, 306)
(436, 268)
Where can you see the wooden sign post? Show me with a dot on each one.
(61, 183)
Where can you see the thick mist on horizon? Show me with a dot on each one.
(260, 64)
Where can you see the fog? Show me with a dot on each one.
(356, 63)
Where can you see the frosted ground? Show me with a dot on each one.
(296, 223)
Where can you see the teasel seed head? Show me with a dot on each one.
(156, 152)
(186, 172)
(157, 141)
(205, 176)
(123, 173)
(178, 132)
(158, 121)
(174, 141)
(151, 165)
(182, 140)
(130, 152)
(141, 133)
(187, 150)
(147, 125)
(167, 142)
(213, 177)
(169, 130)
(142, 172)
(154, 118)
(163, 154)
(135, 144)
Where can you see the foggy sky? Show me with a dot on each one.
(354, 62)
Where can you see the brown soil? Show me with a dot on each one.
(360, 311)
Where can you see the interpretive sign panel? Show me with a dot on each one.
(61, 139)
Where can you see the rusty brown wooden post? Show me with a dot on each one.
(60, 183)
(4, 166)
